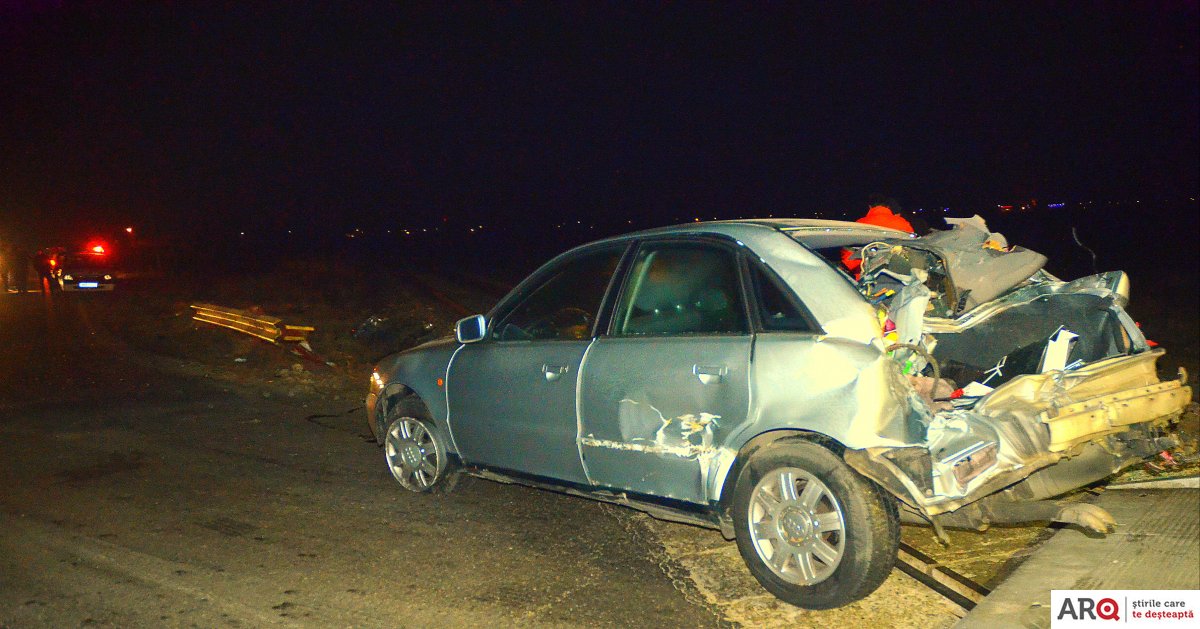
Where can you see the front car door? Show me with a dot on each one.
(671, 377)
(512, 395)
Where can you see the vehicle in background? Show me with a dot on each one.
(90, 270)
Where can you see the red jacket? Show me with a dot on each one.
(882, 216)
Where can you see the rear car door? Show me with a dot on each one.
(672, 373)
(511, 396)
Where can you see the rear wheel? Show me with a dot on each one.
(416, 456)
(811, 530)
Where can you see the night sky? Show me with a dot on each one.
(200, 119)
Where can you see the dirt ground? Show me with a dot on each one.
(142, 491)
(413, 307)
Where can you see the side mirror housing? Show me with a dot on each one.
(470, 329)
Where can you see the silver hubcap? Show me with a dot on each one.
(797, 526)
(412, 454)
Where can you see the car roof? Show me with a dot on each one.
(814, 233)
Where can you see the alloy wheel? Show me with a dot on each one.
(797, 526)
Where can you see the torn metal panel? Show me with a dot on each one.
(1013, 340)
(980, 264)
(684, 452)
(850, 392)
(908, 308)
(1040, 287)
(649, 422)
(847, 391)
(961, 448)
(637, 419)
(1029, 423)
(1096, 399)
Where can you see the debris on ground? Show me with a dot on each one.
(370, 327)
(297, 381)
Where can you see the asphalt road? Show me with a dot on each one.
(132, 495)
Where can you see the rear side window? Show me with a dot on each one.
(682, 288)
(777, 309)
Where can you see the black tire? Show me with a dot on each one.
(416, 455)
(858, 556)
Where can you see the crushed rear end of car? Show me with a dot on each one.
(1028, 386)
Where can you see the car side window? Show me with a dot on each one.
(564, 305)
(777, 310)
(682, 288)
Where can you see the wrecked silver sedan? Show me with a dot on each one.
(736, 375)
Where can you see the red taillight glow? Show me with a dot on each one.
(97, 248)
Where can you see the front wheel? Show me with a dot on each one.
(812, 531)
(416, 456)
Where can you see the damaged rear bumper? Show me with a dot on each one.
(1036, 436)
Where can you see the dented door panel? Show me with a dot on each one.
(654, 410)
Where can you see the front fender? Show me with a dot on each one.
(421, 372)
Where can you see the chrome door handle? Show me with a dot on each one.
(554, 372)
(710, 374)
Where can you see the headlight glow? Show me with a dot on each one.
(376, 380)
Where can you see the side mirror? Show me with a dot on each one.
(470, 329)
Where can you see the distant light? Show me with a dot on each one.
(96, 249)
(128, 230)
(1056, 205)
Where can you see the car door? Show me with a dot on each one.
(671, 377)
(511, 397)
